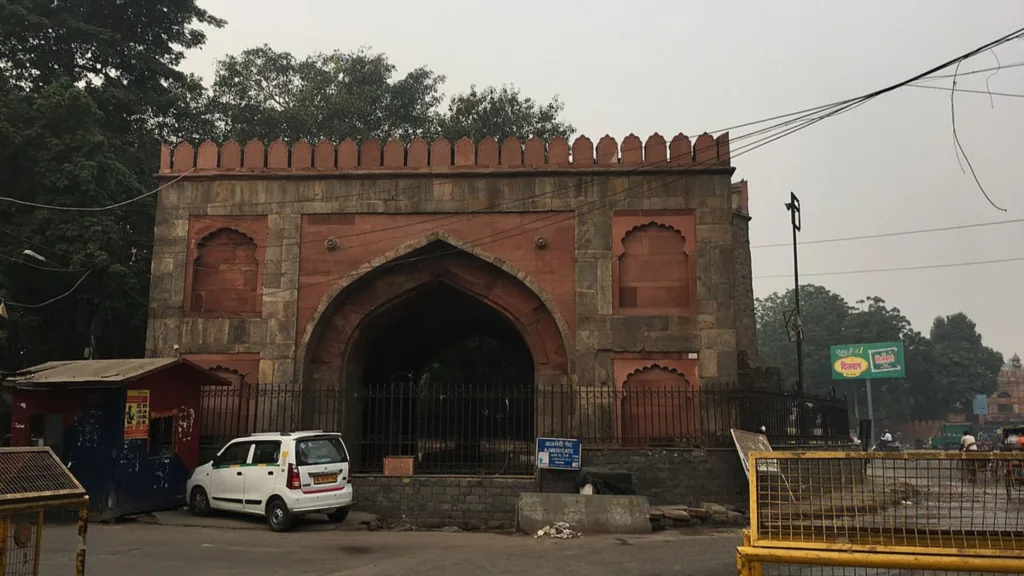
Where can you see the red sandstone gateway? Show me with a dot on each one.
(331, 281)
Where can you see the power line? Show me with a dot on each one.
(900, 269)
(959, 146)
(94, 208)
(47, 268)
(35, 243)
(958, 90)
(977, 71)
(891, 234)
(51, 300)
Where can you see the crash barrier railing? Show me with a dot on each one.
(912, 511)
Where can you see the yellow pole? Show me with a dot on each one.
(742, 566)
(39, 540)
(756, 569)
(5, 528)
(83, 527)
(881, 560)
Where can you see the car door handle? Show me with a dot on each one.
(238, 473)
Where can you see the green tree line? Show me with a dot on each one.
(945, 368)
(88, 91)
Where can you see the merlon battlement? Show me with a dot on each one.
(326, 156)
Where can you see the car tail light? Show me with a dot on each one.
(294, 481)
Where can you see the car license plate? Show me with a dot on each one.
(325, 479)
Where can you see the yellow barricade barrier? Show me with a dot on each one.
(917, 511)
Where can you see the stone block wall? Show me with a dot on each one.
(471, 503)
(667, 476)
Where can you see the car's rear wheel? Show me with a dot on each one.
(338, 515)
(199, 502)
(279, 517)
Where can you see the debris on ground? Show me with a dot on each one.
(558, 530)
(707, 514)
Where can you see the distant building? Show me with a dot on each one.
(1006, 406)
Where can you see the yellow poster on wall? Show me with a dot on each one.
(136, 415)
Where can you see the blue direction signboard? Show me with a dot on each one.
(558, 453)
(981, 405)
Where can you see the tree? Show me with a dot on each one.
(944, 370)
(874, 321)
(502, 112)
(823, 314)
(265, 94)
(87, 89)
(962, 366)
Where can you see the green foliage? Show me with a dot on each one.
(961, 366)
(944, 370)
(502, 112)
(824, 314)
(87, 89)
(265, 94)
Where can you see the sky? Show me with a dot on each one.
(694, 66)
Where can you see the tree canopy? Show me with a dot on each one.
(945, 369)
(88, 91)
(265, 94)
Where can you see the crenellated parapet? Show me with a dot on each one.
(327, 156)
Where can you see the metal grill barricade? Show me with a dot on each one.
(36, 487)
(908, 511)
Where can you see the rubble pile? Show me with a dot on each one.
(706, 514)
(558, 530)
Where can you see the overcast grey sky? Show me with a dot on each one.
(695, 66)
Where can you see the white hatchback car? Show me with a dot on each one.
(276, 475)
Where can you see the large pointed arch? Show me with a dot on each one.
(335, 296)
(399, 314)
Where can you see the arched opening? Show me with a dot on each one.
(225, 275)
(447, 379)
(659, 408)
(435, 355)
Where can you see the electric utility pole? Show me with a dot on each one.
(794, 325)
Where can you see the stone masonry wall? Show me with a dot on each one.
(665, 476)
(435, 501)
(746, 324)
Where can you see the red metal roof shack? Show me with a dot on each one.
(127, 429)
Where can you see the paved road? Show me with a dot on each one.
(156, 550)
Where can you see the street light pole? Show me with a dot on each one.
(793, 206)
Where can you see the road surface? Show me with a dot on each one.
(156, 550)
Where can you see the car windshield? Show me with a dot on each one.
(320, 451)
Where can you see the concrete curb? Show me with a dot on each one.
(356, 522)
